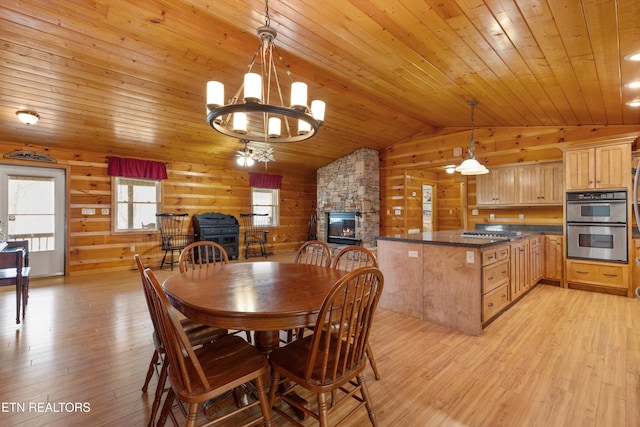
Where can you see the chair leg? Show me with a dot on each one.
(367, 400)
(18, 300)
(163, 259)
(323, 409)
(166, 408)
(162, 379)
(372, 362)
(154, 360)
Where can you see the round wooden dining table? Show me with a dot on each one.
(265, 297)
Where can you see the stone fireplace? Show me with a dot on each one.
(350, 185)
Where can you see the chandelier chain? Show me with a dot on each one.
(267, 20)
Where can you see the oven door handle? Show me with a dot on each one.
(596, 224)
(635, 195)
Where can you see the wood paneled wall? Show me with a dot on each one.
(190, 188)
(501, 146)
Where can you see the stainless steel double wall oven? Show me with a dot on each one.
(597, 224)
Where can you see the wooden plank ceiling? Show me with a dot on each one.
(128, 78)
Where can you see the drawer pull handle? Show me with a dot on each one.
(609, 275)
(504, 296)
(490, 304)
(490, 257)
(504, 271)
(490, 278)
(582, 272)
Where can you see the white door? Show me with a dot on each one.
(32, 207)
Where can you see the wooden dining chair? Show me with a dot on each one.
(314, 252)
(202, 254)
(198, 375)
(205, 254)
(197, 334)
(333, 357)
(348, 259)
(14, 272)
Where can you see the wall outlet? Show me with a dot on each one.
(398, 212)
(521, 217)
(88, 211)
(413, 254)
(492, 216)
(475, 212)
(470, 257)
(105, 211)
(133, 248)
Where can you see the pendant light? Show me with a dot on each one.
(471, 166)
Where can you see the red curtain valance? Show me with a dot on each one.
(263, 180)
(133, 168)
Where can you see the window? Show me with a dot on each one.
(136, 202)
(265, 201)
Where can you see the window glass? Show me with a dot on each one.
(265, 201)
(136, 204)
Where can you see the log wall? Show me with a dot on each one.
(190, 188)
(401, 164)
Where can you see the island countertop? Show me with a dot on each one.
(446, 237)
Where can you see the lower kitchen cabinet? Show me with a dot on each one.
(553, 257)
(519, 268)
(536, 260)
(604, 277)
(496, 276)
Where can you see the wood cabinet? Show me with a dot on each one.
(540, 184)
(536, 261)
(524, 185)
(604, 277)
(606, 166)
(519, 268)
(495, 281)
(553, 257)
(496, 187)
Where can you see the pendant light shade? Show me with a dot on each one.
(471, 166)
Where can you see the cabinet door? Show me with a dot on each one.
(497, 187)
(579, 169)
(540, 184)
(528, 185)
(519, 265)
(550, 184)
(613, 166)
(553, 258)
(484, 191)
(535, 261)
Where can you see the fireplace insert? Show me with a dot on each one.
(341, 228)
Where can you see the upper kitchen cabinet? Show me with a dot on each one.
(598, 167)
(522, 185)
(497, 187)
(540, 184)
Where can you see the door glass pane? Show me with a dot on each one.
(31, 211)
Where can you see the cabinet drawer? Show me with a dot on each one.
(495, 275)
(494, 301)
(597, 274)
(494, 255)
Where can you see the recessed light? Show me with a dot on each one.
(632, 85)
(634, 103)
(633, 57)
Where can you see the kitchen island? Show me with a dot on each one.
(445, 278)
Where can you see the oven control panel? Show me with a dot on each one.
(597, 195)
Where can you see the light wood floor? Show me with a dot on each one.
(557, 358)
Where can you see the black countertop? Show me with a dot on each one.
(455, 237)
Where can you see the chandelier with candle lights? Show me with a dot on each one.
(261, 114)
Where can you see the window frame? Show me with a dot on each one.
(274, 207)
(115, 203)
